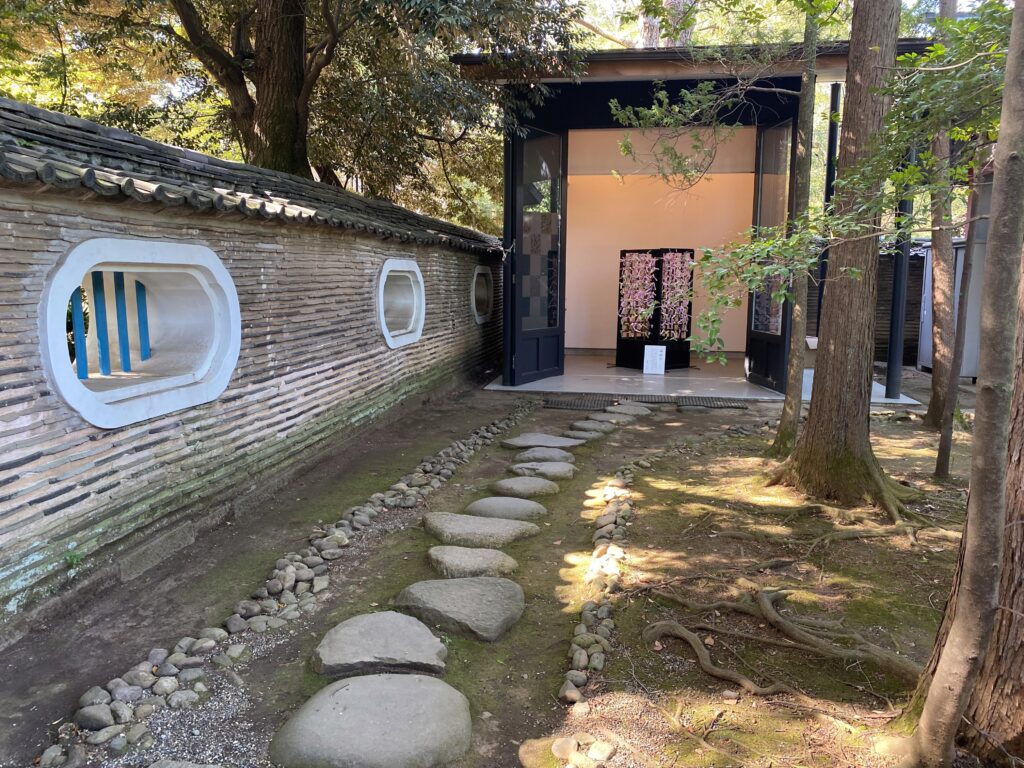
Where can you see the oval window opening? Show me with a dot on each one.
(401, 302)
(139, 329)
(482, 294)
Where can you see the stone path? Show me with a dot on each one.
(382, 718)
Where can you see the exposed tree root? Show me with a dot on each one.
(661, 629)
(863, 480)
(824, 638)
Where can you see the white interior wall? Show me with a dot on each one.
(636, 210)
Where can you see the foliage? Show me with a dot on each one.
(390, 115)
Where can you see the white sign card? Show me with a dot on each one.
(654, 360)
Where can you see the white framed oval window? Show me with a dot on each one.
(134, 329)
(481, 294)
(401, 302)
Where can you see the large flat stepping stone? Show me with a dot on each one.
(540, 440)
(629, 410)
(460, 562)
(611, 418)
(377, 721)
(506, 507)
(482, 606)
(549, 470)
(546, 454)
(379, 642)
(589, 425)
(474, 531)
(524, 487)
(584, 435)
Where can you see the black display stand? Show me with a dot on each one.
(629, 352)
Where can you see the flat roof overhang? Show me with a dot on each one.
(698, 62)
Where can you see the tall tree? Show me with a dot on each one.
(943, 267)
(789, 421)
(270, 57)
(994, 717)
(971, 611)
(833, 456)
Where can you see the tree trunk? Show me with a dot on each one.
(789, 421)
(995, 710)
(650, 32)
(943, 268)
(281, 117)
(833, 456)
(973, 606)
(945, 452)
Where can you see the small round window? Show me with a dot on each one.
(401, 303)
(482, 294)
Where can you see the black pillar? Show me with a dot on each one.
(898, 312)
(832, 152)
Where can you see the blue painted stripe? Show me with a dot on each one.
(99, 317)
(143, 312)
(121, 311)
(78, 334)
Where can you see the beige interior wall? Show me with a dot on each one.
(607, 214)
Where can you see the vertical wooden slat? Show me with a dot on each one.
(121, 312)
(78, 334)
(143, 313)
(99, 317)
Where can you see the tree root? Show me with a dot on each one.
(866, 482)
(661, 629)
(826, 638)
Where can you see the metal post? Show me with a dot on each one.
(832, 152)
(898, 313)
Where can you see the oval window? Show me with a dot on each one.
(482, 294)
(401, 302)
(134, 329)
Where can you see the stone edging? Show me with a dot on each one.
(114, 714)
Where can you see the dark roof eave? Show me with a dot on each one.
(696, 54)
(60, 152)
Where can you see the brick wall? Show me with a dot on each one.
(313, 364)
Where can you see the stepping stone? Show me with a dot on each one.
(611, 418)
(524, 487)
(546, 454)
(540, 440)
(629, 410)
(460, 562)
(377, 721)
(579, 434)
(474, 531)
(589, 425)
(549, 470)
(506, 507)
(379, 642)
(481, 606)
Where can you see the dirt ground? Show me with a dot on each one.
(653, 703)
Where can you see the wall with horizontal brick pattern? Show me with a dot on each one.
(313, 364)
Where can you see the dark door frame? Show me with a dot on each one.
(513, 226)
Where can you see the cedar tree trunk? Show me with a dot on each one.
(833, 456)
(973, 606)
(996, 707)
(944, 455)
(789, 421)
(943, 268)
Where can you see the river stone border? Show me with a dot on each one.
(112, 716)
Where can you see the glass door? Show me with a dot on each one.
(536, 333)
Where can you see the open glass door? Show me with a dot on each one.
(768, 320)
(535, 334)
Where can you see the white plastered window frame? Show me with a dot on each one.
(201, 312)
(485, 272)
(401, 302)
